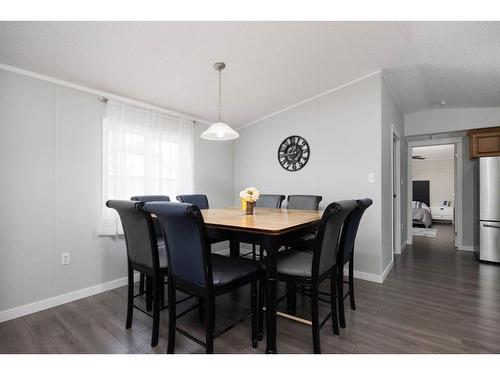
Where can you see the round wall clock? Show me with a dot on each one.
(293, 153)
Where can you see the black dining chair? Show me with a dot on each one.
(312, 268)
(200, 200)
(159, 237)
(194, 270)
(346, 255)
(270, 200)
(266, 201)
(303, 202)
(144, 255)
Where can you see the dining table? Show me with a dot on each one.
(271, 228)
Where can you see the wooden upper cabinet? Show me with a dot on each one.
(484, 142)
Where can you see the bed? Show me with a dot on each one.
(421, 203)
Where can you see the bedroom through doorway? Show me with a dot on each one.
(433, 193)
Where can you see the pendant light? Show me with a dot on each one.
(219, 131)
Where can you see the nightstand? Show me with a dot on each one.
(442, 213)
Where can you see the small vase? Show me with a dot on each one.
(249, 208)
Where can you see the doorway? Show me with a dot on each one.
(435, 191)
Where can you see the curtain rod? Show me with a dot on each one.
(105, 100)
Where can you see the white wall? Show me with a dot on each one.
(50, 166)
(343, 129)
(390, 115)
(441, 178)
(444, 120)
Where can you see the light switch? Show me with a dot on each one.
(371, 178)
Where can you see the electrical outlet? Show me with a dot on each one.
(371, 178)
(65, 259)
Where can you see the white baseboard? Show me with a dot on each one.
(386, 271)
(465, 248)
(45, 304)
(373, 277)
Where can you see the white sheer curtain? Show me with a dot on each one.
(143, 152)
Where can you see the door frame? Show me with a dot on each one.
(396, 207)
(458, 182)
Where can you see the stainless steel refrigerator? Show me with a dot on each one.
(489, 209)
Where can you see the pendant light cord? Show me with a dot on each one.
(220, 96)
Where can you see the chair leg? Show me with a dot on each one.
(209, 325)
(171, 317)
(156, 309)
(254, 306)
(262, 291)
(333, 302)
(254, 252)
(340, 295)
(351, 283)
(162, 292)
(149, 293)
(291, 298)
(261, 253)
(141, 282)
(130, 297)
(315, 319)
(201, 309)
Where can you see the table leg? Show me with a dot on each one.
(234, 249)
(271, 297)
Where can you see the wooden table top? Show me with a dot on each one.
(264, 219)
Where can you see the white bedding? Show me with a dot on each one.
(422, 213)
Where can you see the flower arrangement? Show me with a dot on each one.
(248, 198)
(250, 194)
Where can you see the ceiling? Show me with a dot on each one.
(270, 65)
(441, 152)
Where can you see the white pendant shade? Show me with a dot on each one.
(219, 132)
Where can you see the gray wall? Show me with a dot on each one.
(444, 120)
(343, 129)
(470, 192)
(391, 115)
(51, 180)
(404, 192)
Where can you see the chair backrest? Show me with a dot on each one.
(186, 243)
(150, 198)
(153, 198)
(328, 236)
(200, 200)
(139, 232)
(270, 200)
(350, 230)
(303, 202)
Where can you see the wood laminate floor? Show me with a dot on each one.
(435, 300)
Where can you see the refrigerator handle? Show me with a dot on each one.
(490, 226)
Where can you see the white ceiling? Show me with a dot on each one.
(441, 152)
(270, 65)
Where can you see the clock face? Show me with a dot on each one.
(293, 153)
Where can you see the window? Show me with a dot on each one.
(143, 152)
